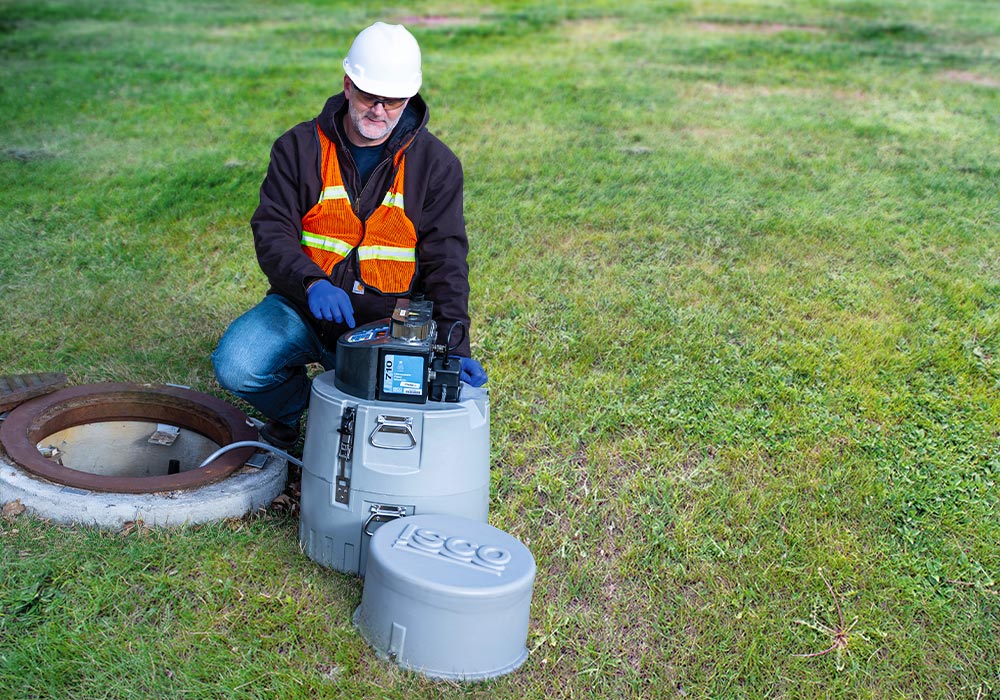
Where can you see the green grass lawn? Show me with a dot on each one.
(736, 281)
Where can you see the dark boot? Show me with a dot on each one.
(280, 435)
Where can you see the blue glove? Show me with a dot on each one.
(472, 373)
(329, 303)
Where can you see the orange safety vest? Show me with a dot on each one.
(386, 243)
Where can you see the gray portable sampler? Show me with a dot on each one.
(396, 486)
(391, 433)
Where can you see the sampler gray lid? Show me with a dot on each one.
(435, 555)
(447, 597)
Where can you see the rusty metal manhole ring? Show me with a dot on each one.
(35, 420)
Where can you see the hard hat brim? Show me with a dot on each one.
(383, 88)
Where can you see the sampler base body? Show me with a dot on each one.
(369, 462)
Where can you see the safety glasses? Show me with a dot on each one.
(371, 100)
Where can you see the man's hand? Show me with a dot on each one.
(472, 373)
(329, 303)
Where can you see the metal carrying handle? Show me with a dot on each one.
(397, 425)
(385, 513)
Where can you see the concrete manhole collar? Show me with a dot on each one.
(104, 497)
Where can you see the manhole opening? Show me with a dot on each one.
(96, 437)
(132, 448)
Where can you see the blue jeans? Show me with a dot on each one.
(262, 358)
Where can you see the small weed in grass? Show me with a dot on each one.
(839, 634)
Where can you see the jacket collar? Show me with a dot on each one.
(414, 118)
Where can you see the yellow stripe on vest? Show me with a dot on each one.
(334, 245)
(393, 199)
(382, 252)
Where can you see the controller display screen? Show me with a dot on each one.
(403, 374)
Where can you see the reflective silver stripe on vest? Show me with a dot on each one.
(333, 245)
(383, 252)
(334, 192)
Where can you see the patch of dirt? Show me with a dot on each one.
(437, 21)
(970, 78)
(765, 28)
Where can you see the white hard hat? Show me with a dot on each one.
(385, 60)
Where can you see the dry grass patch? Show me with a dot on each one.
(591, 31)
(760, 28)
(969, 78)
(438, 21)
